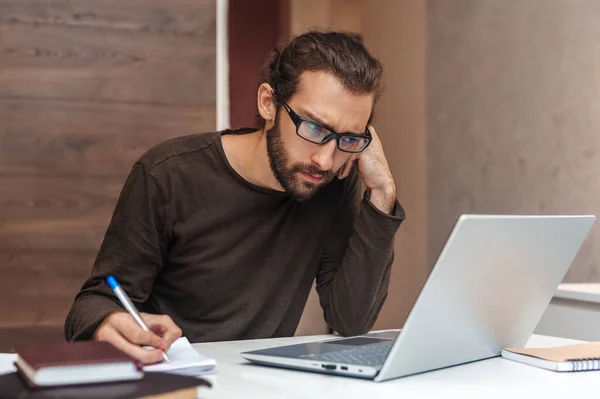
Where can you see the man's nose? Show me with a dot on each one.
(323, 157)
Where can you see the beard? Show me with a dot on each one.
(289, 176)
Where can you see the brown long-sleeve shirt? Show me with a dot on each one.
(227, 259)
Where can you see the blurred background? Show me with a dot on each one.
(491, 106)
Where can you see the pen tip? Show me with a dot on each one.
(112, 282)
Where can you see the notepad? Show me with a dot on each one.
(579, 357)
(7, 361)
(184, 360)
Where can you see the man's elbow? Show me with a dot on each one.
(350, 328)
(349, 322)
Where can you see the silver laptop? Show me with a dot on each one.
(488, 290)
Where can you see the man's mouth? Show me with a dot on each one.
(315, 178)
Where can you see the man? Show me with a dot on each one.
(219, 236)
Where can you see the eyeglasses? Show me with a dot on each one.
(319, 134)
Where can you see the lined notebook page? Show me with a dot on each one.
(184, 360)
(6, 362)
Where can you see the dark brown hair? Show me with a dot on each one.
(341, 54)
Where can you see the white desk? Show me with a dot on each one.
(574, 312)
(495, 377)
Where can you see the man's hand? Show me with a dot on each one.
(375, 172)
(121, 330)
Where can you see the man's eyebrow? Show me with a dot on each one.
(313, 117)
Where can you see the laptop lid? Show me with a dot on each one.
(488, 289)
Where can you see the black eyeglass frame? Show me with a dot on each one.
(297, 120)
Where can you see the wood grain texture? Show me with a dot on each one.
(46, 271)
(25, 309)
(46, 61)
(177, 17)
(39, 137)
(69, 213)
(12, 337)
(86, 87)
(38, 287)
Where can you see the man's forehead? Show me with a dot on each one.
(323, 97)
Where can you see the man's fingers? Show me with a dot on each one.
(165, 326)
(129, 329)
(171, 336)
(147, 356)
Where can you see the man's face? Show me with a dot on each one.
(302, 167)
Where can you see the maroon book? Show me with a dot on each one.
(152, 385)
(71, 363)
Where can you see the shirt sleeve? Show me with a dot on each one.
(354, 272)
(132, 251)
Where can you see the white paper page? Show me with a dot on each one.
(6, 362)
(183, 360)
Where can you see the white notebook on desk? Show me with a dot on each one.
(184, 360)
(579, 357)
(7, 361)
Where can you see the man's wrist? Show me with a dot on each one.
(383, 198)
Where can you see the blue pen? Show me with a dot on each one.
(116, 287)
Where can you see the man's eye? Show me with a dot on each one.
(314, 127)
(313, 132)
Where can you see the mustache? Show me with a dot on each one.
(312, 170)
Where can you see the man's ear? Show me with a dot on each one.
(266, 103)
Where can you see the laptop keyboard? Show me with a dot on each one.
(368, 355)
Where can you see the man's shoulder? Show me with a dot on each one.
(177, 147)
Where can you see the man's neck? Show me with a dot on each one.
(247, 155)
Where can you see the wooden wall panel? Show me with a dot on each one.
(178, 17)
(58, 62)
(39, 286)
(87, 138)
(55, 212)
(85, 88)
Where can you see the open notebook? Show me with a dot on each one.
(579, 357)
(7, 361)
(184, 360)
